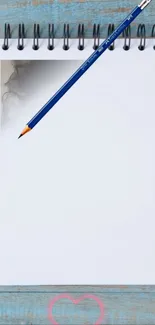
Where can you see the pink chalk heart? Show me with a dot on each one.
(76, 301)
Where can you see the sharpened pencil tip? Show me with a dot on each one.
(26, 129)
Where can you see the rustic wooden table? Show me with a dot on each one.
(73, 12)
(77, 305)
(93, 304)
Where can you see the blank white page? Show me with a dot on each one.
(77, 193)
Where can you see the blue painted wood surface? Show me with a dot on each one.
(73, 12)
(30, 305)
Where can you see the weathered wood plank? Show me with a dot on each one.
(77, 305)
(72, 12)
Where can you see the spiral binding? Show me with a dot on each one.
(141, 32)
(81, 37)
(7, 35)
(111, 29)
(127, 38)
(21, 36)
(50, 37)
(96, 36)
(66, 37)
(153, 34)
(36, 36)
(141, 35)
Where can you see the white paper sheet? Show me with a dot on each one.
(77, 193)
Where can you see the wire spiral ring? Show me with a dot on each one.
(96, 36)
(21, 36)
(127, 36)
(141, 35)
(111, 29)
(66, 37)
(7, 35)
(50, 37)
(153, 34)
(36, 36)
(81, 37)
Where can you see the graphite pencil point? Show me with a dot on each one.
(26, 129)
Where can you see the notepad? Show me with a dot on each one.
(77, 193)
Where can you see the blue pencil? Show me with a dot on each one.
(84, 67)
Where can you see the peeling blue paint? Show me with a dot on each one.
(73, 12)
(29, 305)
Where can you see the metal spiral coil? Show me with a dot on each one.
(50, 37)
(111, 29)
(7, 35)
(127, 38)
(96, 35)
(36, 36)
(81, 37)
(66, 37)
(141, 33)
(21, 36)
(153, 34)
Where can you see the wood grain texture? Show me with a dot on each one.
(72, 12)
(122, 305)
